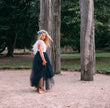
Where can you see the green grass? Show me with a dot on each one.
(73, 61)
(69, 61)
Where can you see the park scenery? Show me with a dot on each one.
(79, 53)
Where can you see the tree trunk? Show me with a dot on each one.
(11, 46)
(3, 46)
(45, 19)
(56, 24)
(87, 44)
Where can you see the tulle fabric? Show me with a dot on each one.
(39, 71)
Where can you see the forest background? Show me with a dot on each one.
(19, 21)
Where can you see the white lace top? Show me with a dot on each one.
(35, 46)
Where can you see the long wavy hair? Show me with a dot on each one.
(46, 39)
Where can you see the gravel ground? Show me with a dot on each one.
(68, 92)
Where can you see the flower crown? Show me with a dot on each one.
(42, 31)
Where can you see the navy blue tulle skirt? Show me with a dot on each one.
(39, 71)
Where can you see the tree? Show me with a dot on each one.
(18, 22)
(45, 19)
(29, 26)
(70, 24)
(87, 40)
(102, 24)
(2, 46)
(56, 23)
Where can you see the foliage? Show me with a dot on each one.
(102, 23)
(19, 17)
(70, 24)
(29, 27)
(70, 27)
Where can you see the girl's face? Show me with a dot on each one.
(43, 36)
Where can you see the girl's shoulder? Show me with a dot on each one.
(40, 41)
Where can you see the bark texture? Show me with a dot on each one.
(56, 25)
(87, 40)
(45, 19)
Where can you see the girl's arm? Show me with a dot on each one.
(41, 54)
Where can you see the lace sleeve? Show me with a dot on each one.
(40, 42)
(35, 46)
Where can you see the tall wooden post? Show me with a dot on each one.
(87, 40)
(56, 24)
(45, 19)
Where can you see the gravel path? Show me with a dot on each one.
(68, 92)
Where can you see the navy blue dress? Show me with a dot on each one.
(39, 71)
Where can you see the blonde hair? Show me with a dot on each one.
(46, 39)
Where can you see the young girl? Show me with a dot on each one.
(42, 72)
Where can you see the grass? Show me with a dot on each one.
(69, 61)
(73, 61)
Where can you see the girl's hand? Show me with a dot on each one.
(44, 63)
